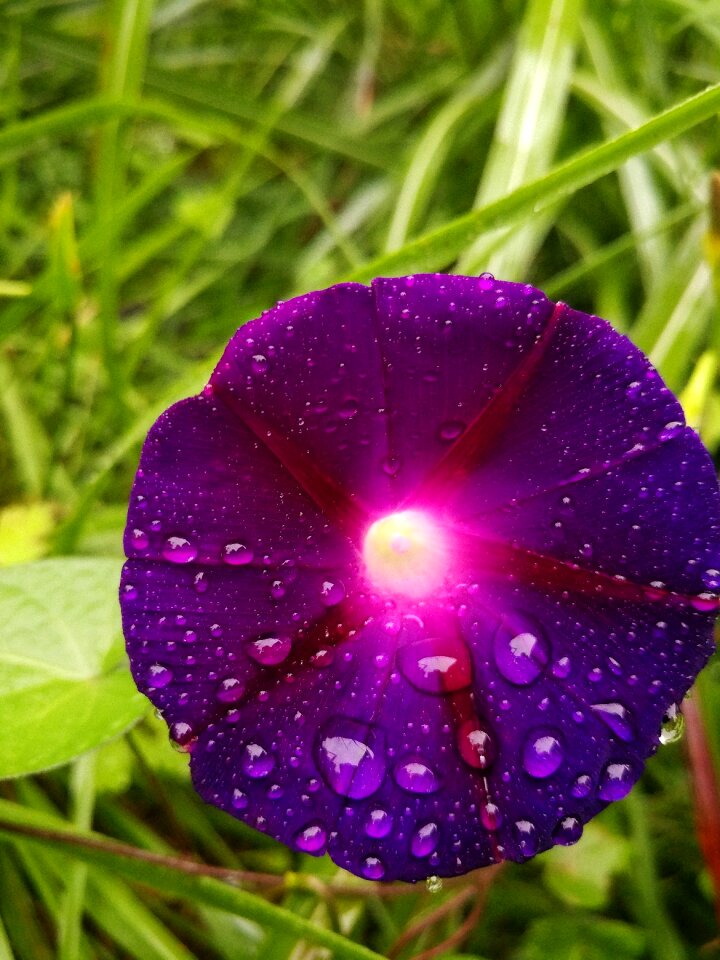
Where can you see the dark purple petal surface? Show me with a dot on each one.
(417, 577)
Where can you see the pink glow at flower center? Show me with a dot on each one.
(406, 553)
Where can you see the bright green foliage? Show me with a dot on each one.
(169, 169)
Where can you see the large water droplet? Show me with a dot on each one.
(616, 781)
(311, 839)
(179, 550)
(237, 554)
(425, 840)
(711, 579)
(372, 868)
(476, 745)
(542, 754)
(415, 776)
(526, 837)
(256, 762)
(269, 650)
(436, 664)
(159, 676)
(379, 823)
(617, 718)
(567, 831)
(521, 650)
(350, 756)
(673, 725)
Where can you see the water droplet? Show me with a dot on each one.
(671, 430)
(379, 823)
(526, 837)
(349, 409)
(391, 466)
(476, 745)
(200, 584)
(673, 725)
(269, 650)
(711, 579)
(425, 840)
(179, 550)
(451, 430)
(521, 651)
(237, 554)
(256, 762)
(486, 281)
(311, 839)
(259, 363)
(159, 676)
(415, 776)
(616, 717)
(436, 664)
(239, 800)
(491, 816)
(182, 735)
(130, 591)
(561, 668)
(230, 690)
(332, 592)
(542, 754)
(567, 831)
(139, 539)
(350, 756)
(581, 786)
(372, 868)
(616, 781)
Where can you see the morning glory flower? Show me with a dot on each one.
(418, 575)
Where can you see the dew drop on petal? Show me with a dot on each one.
(520, 654)
(673, 725)
(616, 781)
(617, 718)
(436, 665)
(567, 831)
(311, 839)
(269, 650)
(451, 430)
(239, 800)
(491, 816)
(237, 554)
(256, 762)
(581, 786)
(433, 884)
(139, 539)
(179, 550)
(526, 837)
(350, 756)
(415, 776)
(372, 868)
(379, 823)
(425, 840)
(230, 690)
(476, 745)
(542, 754)
(159, 676)
(332, 592)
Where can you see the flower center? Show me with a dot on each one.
(406, 553)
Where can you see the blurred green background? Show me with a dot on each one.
(167, 171)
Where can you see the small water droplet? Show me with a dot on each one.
(542, 754)
(256, 762)
(139, 539)
(567, 831)
(491, 816)
(239, 800)
(526, 836)
(372, 868)
(269, 650)
(332, 592)
(451, 430)
(436, 665)
(617, 718)
(179, 550)
(616, 781)
(350, 756)
(230, 690)
(159, 676)
(415, 776)
(673, 725)
(425, 840)
(200, 584)
(259, 363)
(671, 430)
(311, 839)
(476, 745)
(561, 668)
(379, 823)
(182, 736)
(349, 409)
(711, 579)
(486, 281)
(521, 651)
(237, 554)
(581, 786)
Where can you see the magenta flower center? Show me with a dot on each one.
(406, 554)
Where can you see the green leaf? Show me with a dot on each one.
(581, 875)
(64, 682)
(570, 937)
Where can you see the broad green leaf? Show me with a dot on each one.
(568, 937)
(581, 875)
(64, 682)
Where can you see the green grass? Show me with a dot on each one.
(168, 170)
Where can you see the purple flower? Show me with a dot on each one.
(418, 575)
